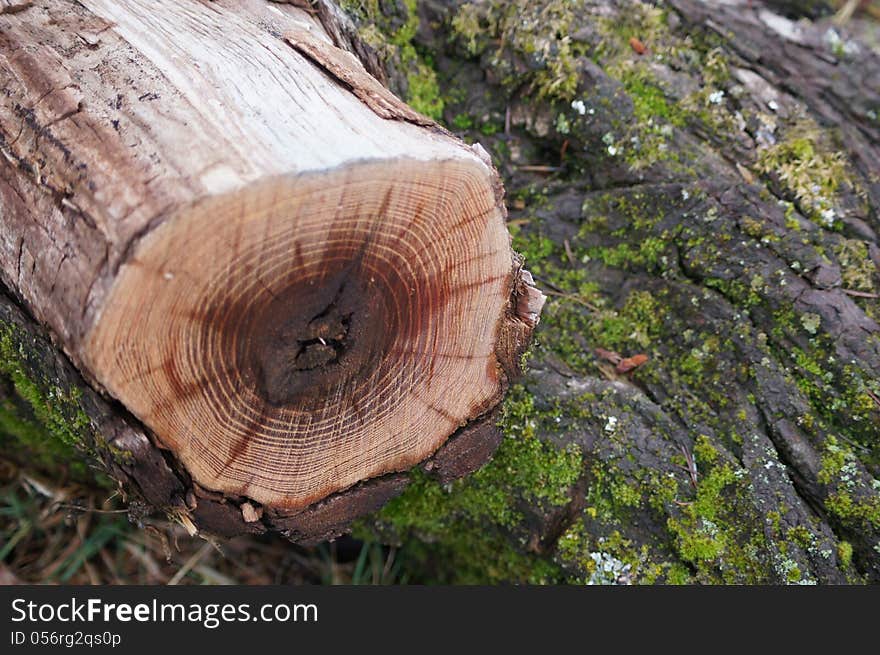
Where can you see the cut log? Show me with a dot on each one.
(292, 279)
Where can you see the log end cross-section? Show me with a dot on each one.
(291, 339)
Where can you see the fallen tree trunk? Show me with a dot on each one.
(294, 285)
(695, 186)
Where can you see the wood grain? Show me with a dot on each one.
(224, 299)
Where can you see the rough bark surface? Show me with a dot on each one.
(695, 186)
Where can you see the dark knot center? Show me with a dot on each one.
(323, 343)
(307, 339)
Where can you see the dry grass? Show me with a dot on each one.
(65, 534)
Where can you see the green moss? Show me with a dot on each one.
(361, 8)
(679, 575)
(655, 112)
(662, 490)
(391, 33)
(698, 536)
(840, 394)
(634, 326)
(694, 366)
(715, 67)
(465, 554)
(649, 101)
(704, 451)
(753, 228)
(467, 25)
(714, 532)
(574, 546)
(811, 173)
(809, 364)
(618, 256)
(612, 494)
(844, 554)
(538, 31)
(858, 514)
(638, 20)
(612, 558)
(61, 425)
(463, 121)
(834, 458)
(535, 249)
(596, 549)
(538, 470)
(855, 504)
(856, 267)
(801, 536)
(603, 560)
(743, 295)
(577, 319)
(647, 255)
(424, 92)
(791, 221)
(466, 516)
(30, 440)
(476, 559)
(646, 136)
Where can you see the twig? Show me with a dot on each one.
(146, 559)
(190, 563)
(691, 464)
(568, 252)
(846, 12)
(538, 168)
(555, 290)
(91, 510)
(109, 564)
(94, 580)
(214, 576)
(548, 283)
(389, 562)
(860, 294)
(571, 296)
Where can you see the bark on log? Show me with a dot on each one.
(696, 187)
(296, 283)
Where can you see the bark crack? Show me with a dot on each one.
(347, 70)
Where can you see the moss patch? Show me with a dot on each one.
(60, 426)
(537, 31)
(390, 28)
(809, 170)
(466, 517)
(714, 531)
(850, 499)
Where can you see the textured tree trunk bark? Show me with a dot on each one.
(696, 188)
(296, 286)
